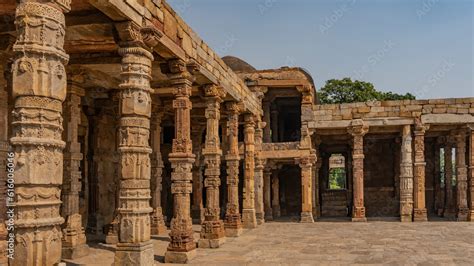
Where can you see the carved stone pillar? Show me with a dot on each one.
(267, 188)
(449, 211)
(419, 211)
(74, 238)
(471, 172)
(182, 247)
(406, 176)
(276, 195)
(259, 166)
(266, 118)
(232, 223)
(439, 197)
(197, 208)
(306, 164)
(3, 161)
(248, 211)
(39, 89)
(157, 226)
(212, 229)
(315, 187)
(274, 124)
(358, 129)
(461, 175)
(134, 209)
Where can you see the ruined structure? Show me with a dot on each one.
(124, 123)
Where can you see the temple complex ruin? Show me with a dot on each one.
(125, 124)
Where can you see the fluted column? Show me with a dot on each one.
(471, 172)
(212, 229)
(276, 195)
(233, 223)
(197, 208)
(134, 209)
(267, 188)
(182, 247)
(39, 89)
(306, 164)
(461, 175)
(419, 204)
(158, 226)
(249, 219)
(74, 238)
(449, 211)
(259, 166)
(406, 176)
(358, 130)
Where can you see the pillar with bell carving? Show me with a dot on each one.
(249, 219)
(306, 164)
(406, 176)
(358, 129)
(212, 229)
(461, 175)
(232, 222)
(74, 238)
(182, 247)
(419, 204)
(38, 91)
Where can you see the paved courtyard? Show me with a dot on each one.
(331, 243)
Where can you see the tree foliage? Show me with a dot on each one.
(348, 91)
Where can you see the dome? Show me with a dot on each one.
(237, 64)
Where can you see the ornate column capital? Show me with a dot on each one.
(306, 161)
(419, 127)
(133, 35)
(358, 128)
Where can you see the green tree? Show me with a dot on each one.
(348, 91)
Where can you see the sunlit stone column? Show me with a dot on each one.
(39, 89)
(233, 224)
(266, 119)
(182, 247)
(358, 129)
(461, 175)
(249, 219)
(449, 211)
(406, 176)
(276, 195)
(471, 172)
(419, 208)
(212, 229)
(134, 209)
(158, 226)
(259, 166)
(306, 164)
(315, 187)
(267, 188)
(74, 238)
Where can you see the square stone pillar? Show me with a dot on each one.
(449, 206)
(38, 91)
(212, 229)
(276, 195)
(306, 164)
(267, 189)
(419, 211)
(358, 129)
(471, 172)
(158, 226)
(74, 238)
(249, 219)
(259, 166)
(406, 176)
(232, 222)
(315, 187)
(197, 208)
(461, 175)
(182, 247)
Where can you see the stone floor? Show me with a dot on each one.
(329, 242)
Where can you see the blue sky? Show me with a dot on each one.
(424, 47)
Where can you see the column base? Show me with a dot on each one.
(359, 219)
(358, 214)
(268, 217)
(471, 216)
(249, 220)
(260, 218)
(306, 217)
(179, 257)
(211, 243)
(134, 254)
(233, 232)
(406, 218)
(276, 212)
(463, 215)
(232, 225)
(212, 234)
(75, 252)
(111, 239)
(420, 215)
(157, 226)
